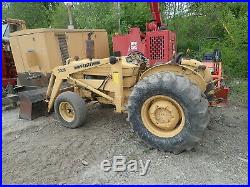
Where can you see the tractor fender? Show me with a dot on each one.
(182, 70)
(194, 65)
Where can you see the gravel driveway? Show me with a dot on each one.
(41, 151)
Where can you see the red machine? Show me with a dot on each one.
(157, 44)
(9, 75)
(214, 63)
(8, 69)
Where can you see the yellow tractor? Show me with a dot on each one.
(166, 104)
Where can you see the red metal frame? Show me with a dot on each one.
(9, 75)
(160, 46)
(221, 91)
(157, 45)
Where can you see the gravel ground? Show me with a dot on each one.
(41, 151)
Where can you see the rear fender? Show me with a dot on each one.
(187, 72)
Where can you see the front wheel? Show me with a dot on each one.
(70, 109)
(168, 112)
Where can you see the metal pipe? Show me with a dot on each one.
(70, 26)
(118, 16)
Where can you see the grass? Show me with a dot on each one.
(238, 91)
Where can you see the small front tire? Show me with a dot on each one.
(70, 109)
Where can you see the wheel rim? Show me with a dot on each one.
(67, 111)
(162, 116)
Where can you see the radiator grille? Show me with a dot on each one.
(63, 47)
(157, 47)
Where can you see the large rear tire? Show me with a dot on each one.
(168, 112)
(70, 109)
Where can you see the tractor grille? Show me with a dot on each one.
(63, 47)
(157, 48)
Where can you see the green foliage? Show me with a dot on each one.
(35, 14)
(134, 15)
(228, 21)
(235, 45)
(96, 15)
(59, 19)
(5, 8)
(238, 87)
(192, 22)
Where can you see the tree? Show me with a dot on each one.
(95, 15)
(5, 9)
(134, 15)
(36, 15)
(59, 19)
(228, 21)
(192, 22)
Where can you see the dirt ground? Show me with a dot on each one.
(41, 151)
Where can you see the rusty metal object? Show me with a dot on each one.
(20, 24)
(32, 104)
(37, 79)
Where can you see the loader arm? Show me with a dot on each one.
(62, 73)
